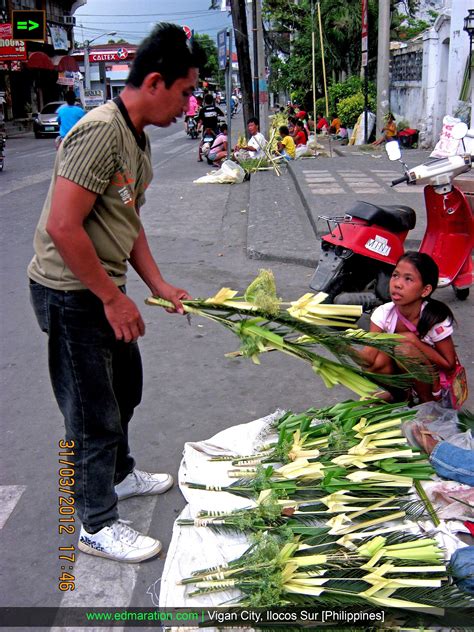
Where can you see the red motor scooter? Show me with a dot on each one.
(361, 249)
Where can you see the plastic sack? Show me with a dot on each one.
(447, 145)
(442, 422)
(303, 150)
(229, 173)
(205, 149)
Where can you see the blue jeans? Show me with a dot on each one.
(456, 464)
(462, 568)
(97, 382)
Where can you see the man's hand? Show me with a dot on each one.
(173, 294)
(124, 318)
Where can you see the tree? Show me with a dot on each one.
(211, 69)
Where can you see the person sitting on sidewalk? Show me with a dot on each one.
(322, 125)
(218, 150)
(286, 146)
(301, 135)
(425, 324)
(389, 131)
(335, 125)
(255, 146)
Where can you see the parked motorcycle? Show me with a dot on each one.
(361, 249)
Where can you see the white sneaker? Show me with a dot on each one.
(119, 542)
(139, 483)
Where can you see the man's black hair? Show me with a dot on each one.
(284, 130)
(253, 119)
(167, 51)
(70, 97)
(208, 99)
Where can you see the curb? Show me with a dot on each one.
(252, 253)
(303, 199)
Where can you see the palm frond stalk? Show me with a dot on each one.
(264, 323)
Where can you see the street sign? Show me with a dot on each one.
(10, 49)
(365, 32)
(29, 25)
(222, 48)
(109, 55)
(188, 31)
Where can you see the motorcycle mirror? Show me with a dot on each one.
(393, 150)
(459, 131)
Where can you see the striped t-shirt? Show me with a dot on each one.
(102, 155)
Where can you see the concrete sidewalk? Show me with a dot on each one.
(283, 214)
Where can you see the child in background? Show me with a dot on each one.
(425, 324)
(300, 136)
(286, 146)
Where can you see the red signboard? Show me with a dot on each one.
(188, 31)
(107, 55)
(10, 49)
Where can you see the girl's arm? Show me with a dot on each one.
(367, 355)
(442, 355)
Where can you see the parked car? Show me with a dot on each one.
(45, 123)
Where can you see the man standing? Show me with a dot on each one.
(89, 228)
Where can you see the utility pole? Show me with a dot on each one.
(256, 91)
(262, 74)
(383, 60)
(239, 21)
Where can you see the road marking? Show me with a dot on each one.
(26, 182)
(9, 496)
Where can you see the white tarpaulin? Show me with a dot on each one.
(196, 547)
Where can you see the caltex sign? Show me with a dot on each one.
(109, 55)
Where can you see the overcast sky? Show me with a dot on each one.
(133, 19)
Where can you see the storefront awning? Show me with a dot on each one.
(40, 61)
(67, 63)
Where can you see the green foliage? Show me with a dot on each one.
(211, 69)
(350, 109)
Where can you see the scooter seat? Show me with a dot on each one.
(396, 218)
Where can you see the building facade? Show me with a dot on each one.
(33, 73)
(429, 75)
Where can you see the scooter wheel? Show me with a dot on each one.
(462, 295)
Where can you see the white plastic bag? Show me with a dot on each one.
(229, 173)
(447, 145)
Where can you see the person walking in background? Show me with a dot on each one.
(68, 115)
(89, 229)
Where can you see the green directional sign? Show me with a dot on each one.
(29, 25)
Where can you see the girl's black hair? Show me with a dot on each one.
(434, 311)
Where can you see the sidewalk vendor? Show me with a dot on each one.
(255, 146)
(89, 229)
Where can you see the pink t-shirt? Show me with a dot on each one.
(192, 106)
(386, 318)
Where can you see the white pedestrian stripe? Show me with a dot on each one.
(9, 496)
(378, 181)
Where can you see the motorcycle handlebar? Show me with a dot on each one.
(399, 180)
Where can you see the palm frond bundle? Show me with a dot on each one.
(300, 328)
(278, 570)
